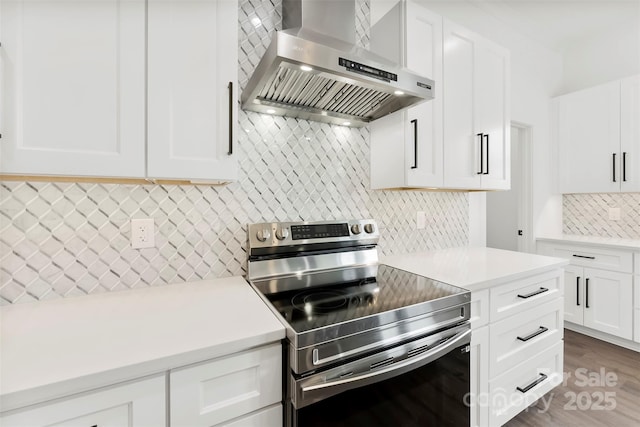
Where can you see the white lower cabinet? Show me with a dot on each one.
(598, 298)
(636, 299)
(269, 417)
(220, 390)
(135, 404)
(517, 357)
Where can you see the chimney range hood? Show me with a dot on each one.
(313, 70)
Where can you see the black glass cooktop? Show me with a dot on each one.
(312, 306)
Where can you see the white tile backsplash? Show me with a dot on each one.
(588, 215)
(66, 239)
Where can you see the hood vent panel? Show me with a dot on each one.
(290, 88)
(340, 82)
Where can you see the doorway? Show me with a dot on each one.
(509, 212)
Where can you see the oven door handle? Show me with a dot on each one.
(317, 392)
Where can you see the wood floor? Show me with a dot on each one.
(588, 398)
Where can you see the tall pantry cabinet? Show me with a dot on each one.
(460, 139)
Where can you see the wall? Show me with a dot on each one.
(588, 215)
(61, 239)
(601, 58)
(536, 74)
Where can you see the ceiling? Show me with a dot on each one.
(560, 24)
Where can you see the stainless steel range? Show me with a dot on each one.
(368, 344)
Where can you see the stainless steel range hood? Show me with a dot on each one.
(313, 70)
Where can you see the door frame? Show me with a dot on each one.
(525, 202)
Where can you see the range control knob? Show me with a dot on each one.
(282, 233)
(355, 228)
(368, 228)
(263, 234)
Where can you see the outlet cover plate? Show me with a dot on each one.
(421, 220)
(614, 214)
(142, 233)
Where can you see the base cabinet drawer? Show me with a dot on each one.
(220, 390)
(136, 404)
(519, 387)
(517, 338)
(514, 297)
(268, 417)
(589, 256)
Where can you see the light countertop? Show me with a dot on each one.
(473, 268)
(610, 242)
(53, 348)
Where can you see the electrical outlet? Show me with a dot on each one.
(614, 214)
(421, 220)
(142, 233)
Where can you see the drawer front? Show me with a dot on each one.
(222, 389)
(522, 385)
(515, 339)
(479, 308)
(589, 256)
(515, 297)
(269, 417)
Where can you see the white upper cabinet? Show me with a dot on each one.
(192, 101)
(77, 75)
(476, 111)
(630, 134)
(406, 147)
(73, 82)
(598, 138)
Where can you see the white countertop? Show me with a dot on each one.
(610, 242)
(52, 348)
(473, 268)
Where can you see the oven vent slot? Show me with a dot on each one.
(381, 363)
(418, 350)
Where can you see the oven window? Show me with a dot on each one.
(432, 395)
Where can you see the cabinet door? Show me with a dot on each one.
(574, 294)
(138, 404)
(192, 101)
(423, 144)
(608, 304)
(491, 109)
(73, 79)
(588, 132)
(462, 167)
(630, 134)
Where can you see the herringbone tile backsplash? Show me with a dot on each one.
(65, 239)
(588, 215)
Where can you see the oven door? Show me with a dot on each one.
(421, 383)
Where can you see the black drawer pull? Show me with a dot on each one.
(534, 293)
(533, 384)
(584, 256)
(586, 292)
(578, 290)
(541, 330)
(614, 167)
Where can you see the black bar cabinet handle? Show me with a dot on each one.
(624, 166)
(230, 87)
(584, 256)
(481, 135)
(534, 293)
(415, 143)
(578, 290)
(614, 167)
(487, 154)
(533, 384)
(586, 293)
(541, 330)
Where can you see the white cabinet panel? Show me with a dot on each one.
(574, 294)
(226, 388)
(270, 417)
(630, 134)
(479, 308)
(137, 404)
(476, 111)
(73, 79)
(418, 130)
(479, 380)
(608, 303)
(192, 73)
